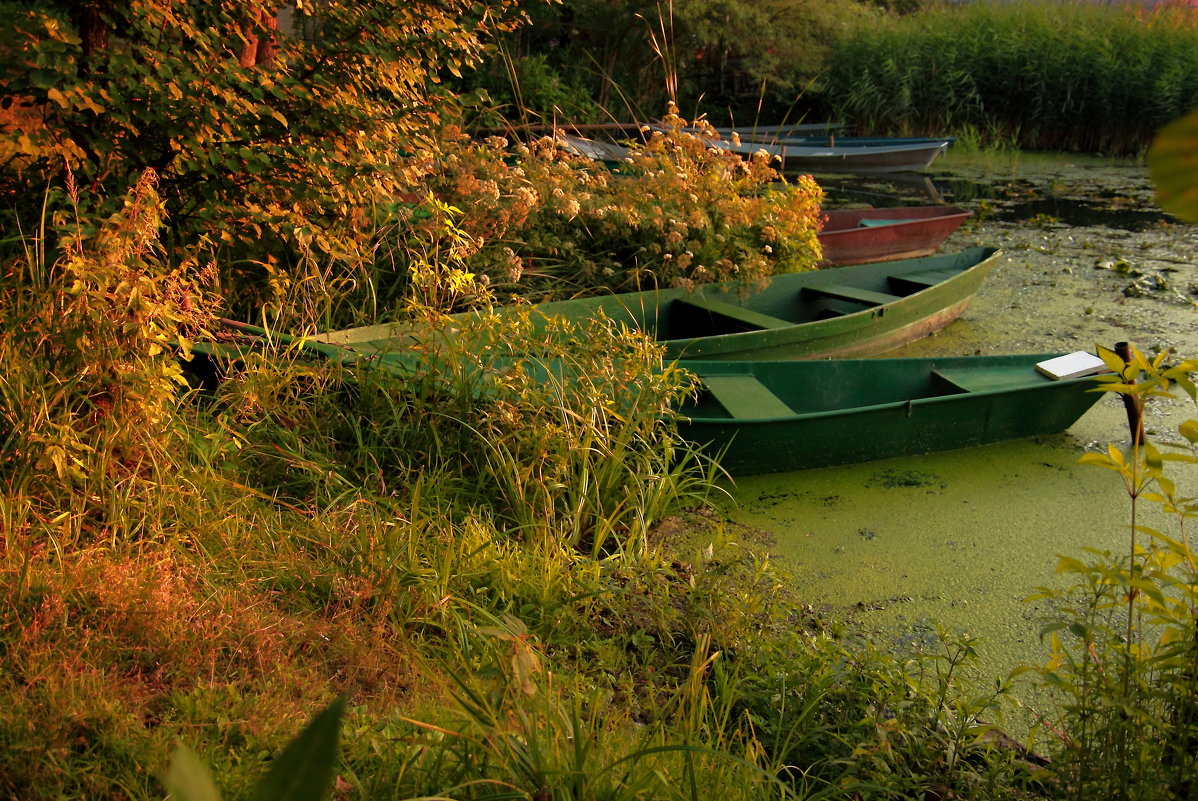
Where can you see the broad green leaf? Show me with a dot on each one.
(1173, 166)
(188, 779)
(1099, 459)
(1152, 456)
(304, 771)
(1126, 389)
(1068, 564)
(58, 97)
(1052, 628)
(1110, 358)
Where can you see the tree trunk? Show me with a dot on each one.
(93, 31)
(259, 46)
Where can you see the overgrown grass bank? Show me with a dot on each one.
(490, 578)
(513, 581)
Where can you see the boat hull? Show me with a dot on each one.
(849, 411)
(845, 155)
(758, 417)
(860, 236)
(864, 159)
(804, 154)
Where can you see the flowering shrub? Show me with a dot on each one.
(541, 220)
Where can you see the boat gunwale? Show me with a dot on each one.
(873, 150)
(640, 308)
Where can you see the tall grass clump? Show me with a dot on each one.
(849, 718)
(91, 382)
(1056, 76)
(1124, 633)
(574, 439)
(212, 567)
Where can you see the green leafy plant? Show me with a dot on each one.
(1171, 165)
(303, 771)
(91, 380)
(1124, 643)
(277, 134)
(743, 59)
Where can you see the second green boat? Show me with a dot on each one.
(764, 417)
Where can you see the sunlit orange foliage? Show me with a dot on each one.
(679, 212)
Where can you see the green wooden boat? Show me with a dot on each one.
(771, 416)
(864, 309)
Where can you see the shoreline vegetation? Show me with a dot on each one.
(520, 593)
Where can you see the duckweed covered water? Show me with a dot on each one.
(955, 541)
(960, 539)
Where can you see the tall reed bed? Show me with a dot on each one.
(1071, 76)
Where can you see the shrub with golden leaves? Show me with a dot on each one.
(92, 380)
(679, 212)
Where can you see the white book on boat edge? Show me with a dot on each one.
(1072, 365)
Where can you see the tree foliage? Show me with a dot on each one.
(744, 58)
(286, 128)
(675, 212)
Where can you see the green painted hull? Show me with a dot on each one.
(772, 416)
(864, 309)
(768, 417)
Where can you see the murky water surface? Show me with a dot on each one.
(960, 539)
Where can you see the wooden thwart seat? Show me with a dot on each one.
(968, 380)
(744, 397)
(851, 293)
(921, 280)
(730, 310)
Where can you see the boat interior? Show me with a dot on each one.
(816, 387)
(701, 315)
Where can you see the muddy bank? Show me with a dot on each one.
(959, 540)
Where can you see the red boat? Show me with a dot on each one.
(859, 236)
